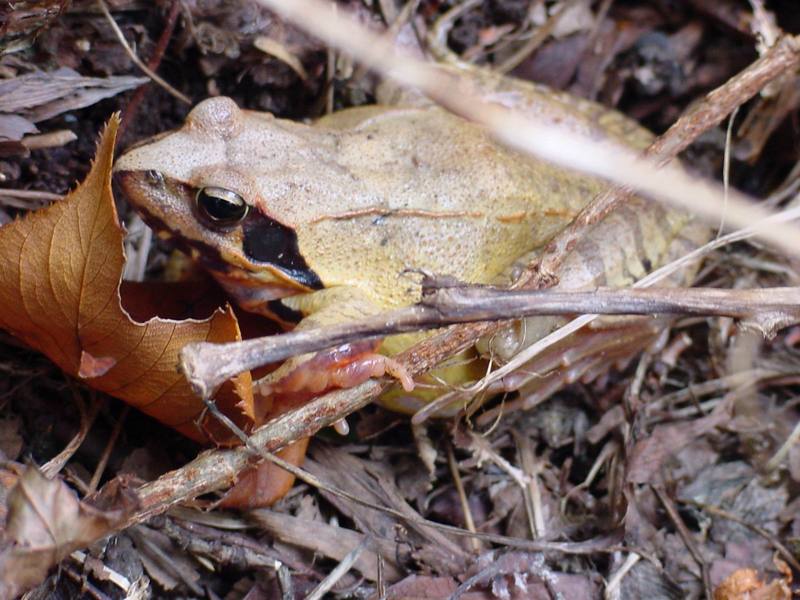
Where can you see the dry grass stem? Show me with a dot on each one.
(136, 60)
(343, 567)
(469, 522)
(539, 138)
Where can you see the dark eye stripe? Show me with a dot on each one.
(267, 241)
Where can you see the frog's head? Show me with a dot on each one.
(200, 185)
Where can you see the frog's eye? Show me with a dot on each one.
(220, 206)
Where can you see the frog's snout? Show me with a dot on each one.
(130, 181)
(138, 157)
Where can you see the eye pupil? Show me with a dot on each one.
(221, 206)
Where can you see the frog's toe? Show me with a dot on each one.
(342, 367)
(398, 371)
(367, 366)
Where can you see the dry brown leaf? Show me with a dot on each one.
(14, 128)
(60, 271)
(43, 95)
(745, 584)
(649, 453)
(275, 48)
(46, 522)
(425, 587)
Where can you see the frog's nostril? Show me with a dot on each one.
(154, 178)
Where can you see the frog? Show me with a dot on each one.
(315, 224)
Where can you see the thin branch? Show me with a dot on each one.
(787, 555)
(136, 60)
(216, 469)
(152, 64)
(87, 416)
(208, 365)
(469, 522)
(51, 139)
(774, 462)
(341, 569)
(104, 458)
(687, 538)
(31, 195)
(612, 591)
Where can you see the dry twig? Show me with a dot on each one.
(208, 365)
(686, 536)
(767, 535)
(136, 60)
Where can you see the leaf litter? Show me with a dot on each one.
(628, 432)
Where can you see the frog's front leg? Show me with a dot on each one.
(303, 377)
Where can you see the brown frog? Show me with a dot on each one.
(319, 224)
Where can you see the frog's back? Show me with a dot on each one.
(527, 98)
(431, 192)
